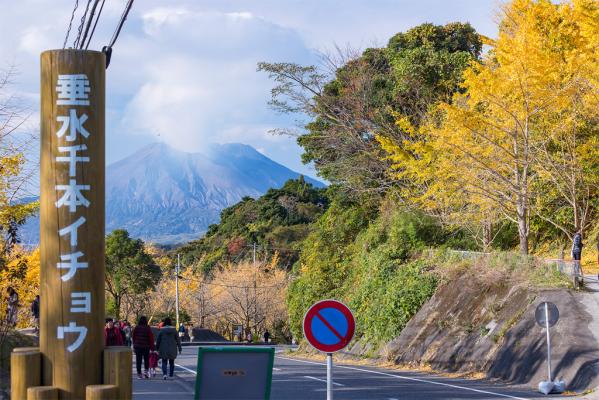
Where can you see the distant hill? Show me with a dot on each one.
(168, 196)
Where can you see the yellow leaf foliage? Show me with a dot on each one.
(480, 155)
(22, 273)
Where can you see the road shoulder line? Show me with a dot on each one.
(409, 378)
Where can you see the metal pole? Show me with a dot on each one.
(329, 376)
(548, 342)
(177, 291)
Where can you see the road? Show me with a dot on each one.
(303, 380)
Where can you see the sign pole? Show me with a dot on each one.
(548, 342)
(329, 376)
(72, 220)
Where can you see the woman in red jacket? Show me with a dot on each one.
(143, 343)
(112, 334)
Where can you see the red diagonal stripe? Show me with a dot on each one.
(328, 325)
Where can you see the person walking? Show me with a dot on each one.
(35, 313)
(127, 329)
(266, 336)
(577, 246)
(143, 343)
(181, 331)
(119, 326)
(112, 334)
(167, 343)
(12, 308)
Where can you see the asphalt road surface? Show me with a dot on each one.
(305, 380)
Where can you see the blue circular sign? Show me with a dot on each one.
(329, 325)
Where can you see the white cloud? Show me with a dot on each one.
(36, 39)
(186, 69)
(198, 76)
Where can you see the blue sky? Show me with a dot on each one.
(184, 72)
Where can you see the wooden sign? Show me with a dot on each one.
(72, 220)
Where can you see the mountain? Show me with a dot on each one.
(166, 196)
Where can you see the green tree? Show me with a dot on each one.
(359, 97)
(130, 269)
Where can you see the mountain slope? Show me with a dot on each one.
(164, 195)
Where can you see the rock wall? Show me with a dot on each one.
(472, 326)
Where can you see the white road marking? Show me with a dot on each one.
(276, 369)
(322, 380)
(410, 379)
(187, 369)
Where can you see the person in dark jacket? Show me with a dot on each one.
(577, 246)
(112, 334)
(143, 343)
(167, 343)
(12, 308)
(35, 313)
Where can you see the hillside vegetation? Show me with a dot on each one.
(276, 222)
(429, 142)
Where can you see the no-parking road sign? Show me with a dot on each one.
(329, 326)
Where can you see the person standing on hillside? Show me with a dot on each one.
(35, 313)
(143, 343)
(12, 307)
(167, 343)
(577, 246)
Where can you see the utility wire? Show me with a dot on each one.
(108, 49)
(70, 24)
(95, 24)
(89, 22)
(81, 24)
(115, 36)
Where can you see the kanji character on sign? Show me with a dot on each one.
(72, 230)
(81, 302)
(72, 196)
(73, 158)
(74, 124)
(72, 90)
(72, 328)
(72, 264)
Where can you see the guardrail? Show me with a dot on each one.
(565, 267)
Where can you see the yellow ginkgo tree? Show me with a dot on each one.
(498, 144)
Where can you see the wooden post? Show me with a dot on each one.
(101, 392)
(117, 370)
(72, 220)
(25, 349)
(25, 372)
(42, 393)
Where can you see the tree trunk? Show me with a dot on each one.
(523, 226)
(487, 235)
(523, 235)
(117, 307)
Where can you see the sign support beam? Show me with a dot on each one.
(329, 376)
(548, 342)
